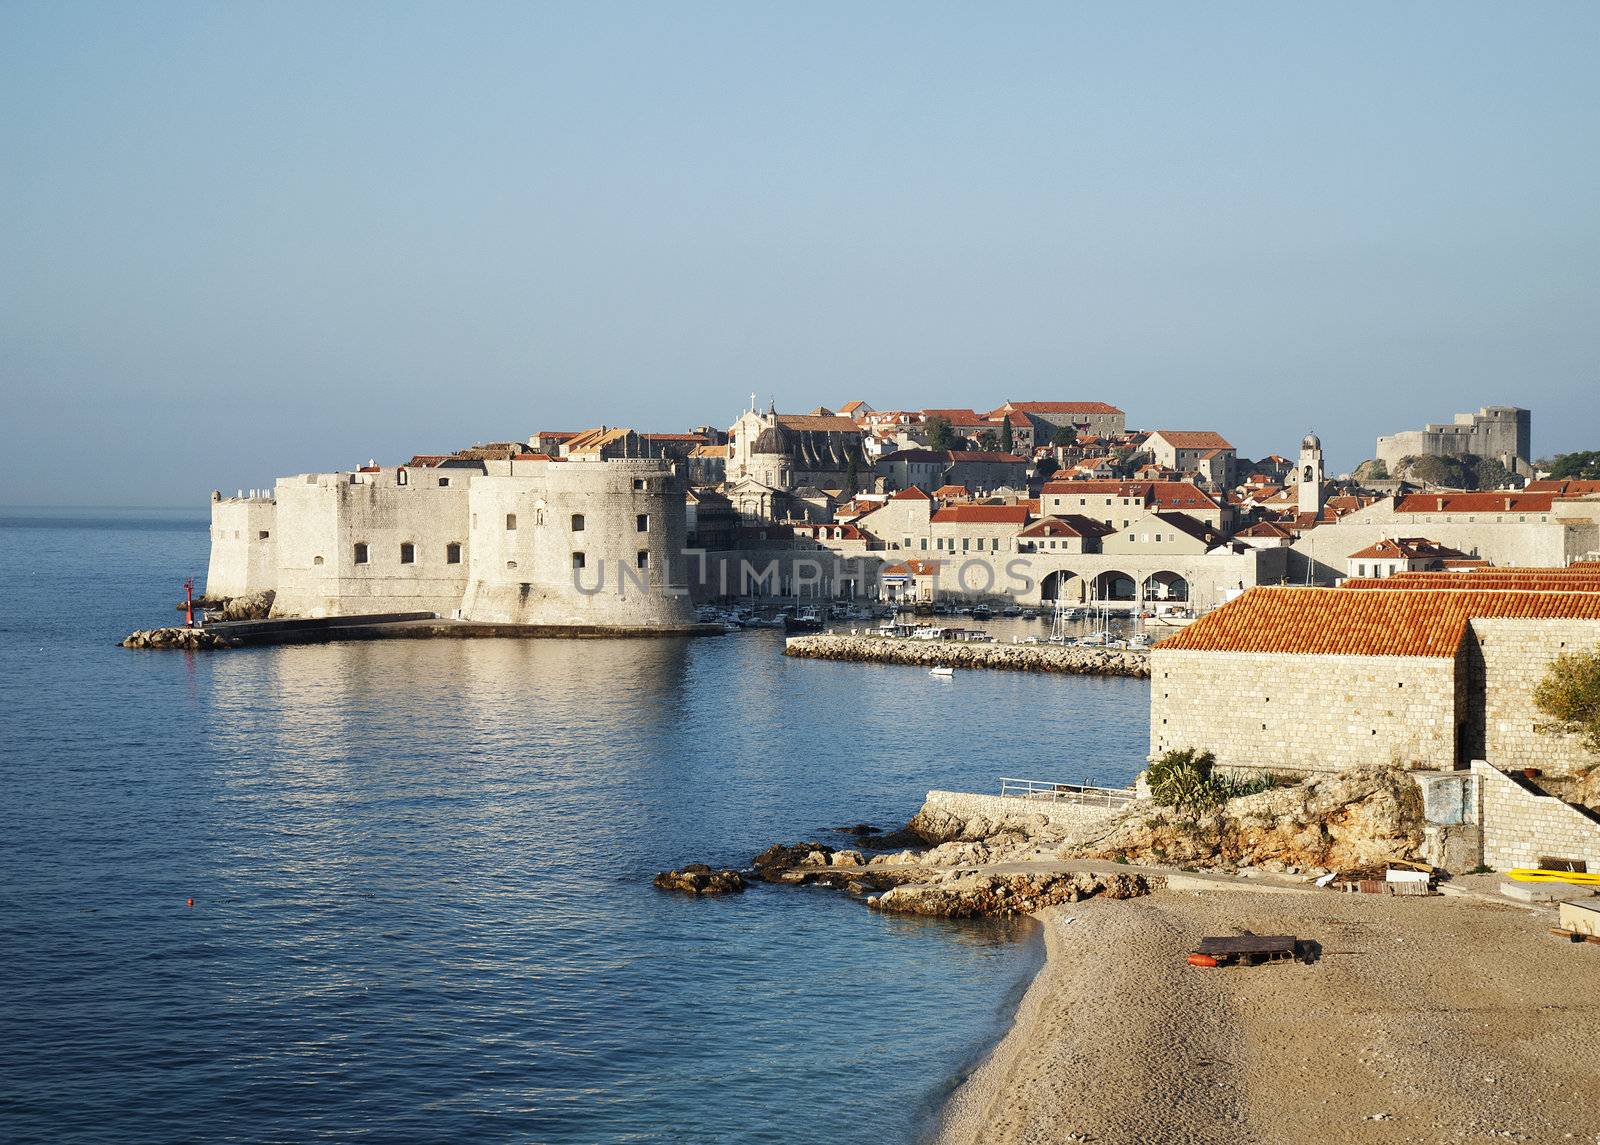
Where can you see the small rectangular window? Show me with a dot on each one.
(263, 535)
(408, 553)
(642, 523)
(361, 552)
(577, 522)
(452, 553)
(577, 560)
(511, 522)
(444, 482)
(638, 482)
(643, 559)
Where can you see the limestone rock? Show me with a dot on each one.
(961, 894)
(180, 638)
(1356, 818)
(700, 879)
(847, 859)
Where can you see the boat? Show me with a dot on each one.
(806, 620)
(981, 612)
(942, 672)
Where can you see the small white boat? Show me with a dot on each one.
(942, 672)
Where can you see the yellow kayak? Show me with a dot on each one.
(1577, 879)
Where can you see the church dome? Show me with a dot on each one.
(770, 440)
(1310, 441)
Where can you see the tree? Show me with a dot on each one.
(987, 441)
(940, 435)
(852, 477)
(1065, 435)
(1570, 695)
(1575, 466)
(1006, 444)
(1046, 468)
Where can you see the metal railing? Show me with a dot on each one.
(1084, 793)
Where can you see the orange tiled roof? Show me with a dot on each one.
(912, 493)
(1057, 407)
(1503, 577)
(1333, 622)
(981, 515)
(1193, 438)
(1475, 503)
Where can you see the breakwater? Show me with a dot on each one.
(971, 654)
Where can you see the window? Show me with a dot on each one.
(511, 564)
(907, 544)
(400, 477)
(923, 544)
(408, 553)
(452, 553)
(361, 552)
(577, 522)
(263, 535)
(980, 544)
(511, 522)
(444, 482)
(638, 483)
(577, 560)
(641, 523)
(316, 560)
(643, 559)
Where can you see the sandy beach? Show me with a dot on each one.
(1430, 1019)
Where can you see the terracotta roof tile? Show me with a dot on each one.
(1334, 622)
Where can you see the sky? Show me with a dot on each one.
(239, 241)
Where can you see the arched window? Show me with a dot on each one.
(1307, 477)
(316, 560)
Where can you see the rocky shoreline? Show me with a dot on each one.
(969, 654)
(177, 638)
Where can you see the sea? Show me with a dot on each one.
(401, 891)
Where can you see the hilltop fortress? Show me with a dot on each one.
(516, 539)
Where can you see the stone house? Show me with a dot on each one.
(1204, 452)
(1403, 554)
(1308, 679)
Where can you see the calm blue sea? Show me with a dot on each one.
(421, 874)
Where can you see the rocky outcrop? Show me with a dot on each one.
(962, 654)
(941, 824)
(255, 606)
(1355, 818)
(700, 879)
(185, 638)
(976, 894)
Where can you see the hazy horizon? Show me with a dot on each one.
(245, 242)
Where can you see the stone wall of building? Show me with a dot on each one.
(327, 521)
(1305, 713)
(625, 518)
(1520, 827)
(244, 547)
(1514, 656)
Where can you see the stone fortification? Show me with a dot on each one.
(1500, 432)
(964, 654)
(514, 541)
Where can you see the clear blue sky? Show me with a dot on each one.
(244, 240)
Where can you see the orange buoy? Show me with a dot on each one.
(1202, 960)
(191, 902)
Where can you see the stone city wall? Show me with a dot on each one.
(959, 815)
(1304, 713)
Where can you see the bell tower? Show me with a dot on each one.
(1310, 475)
